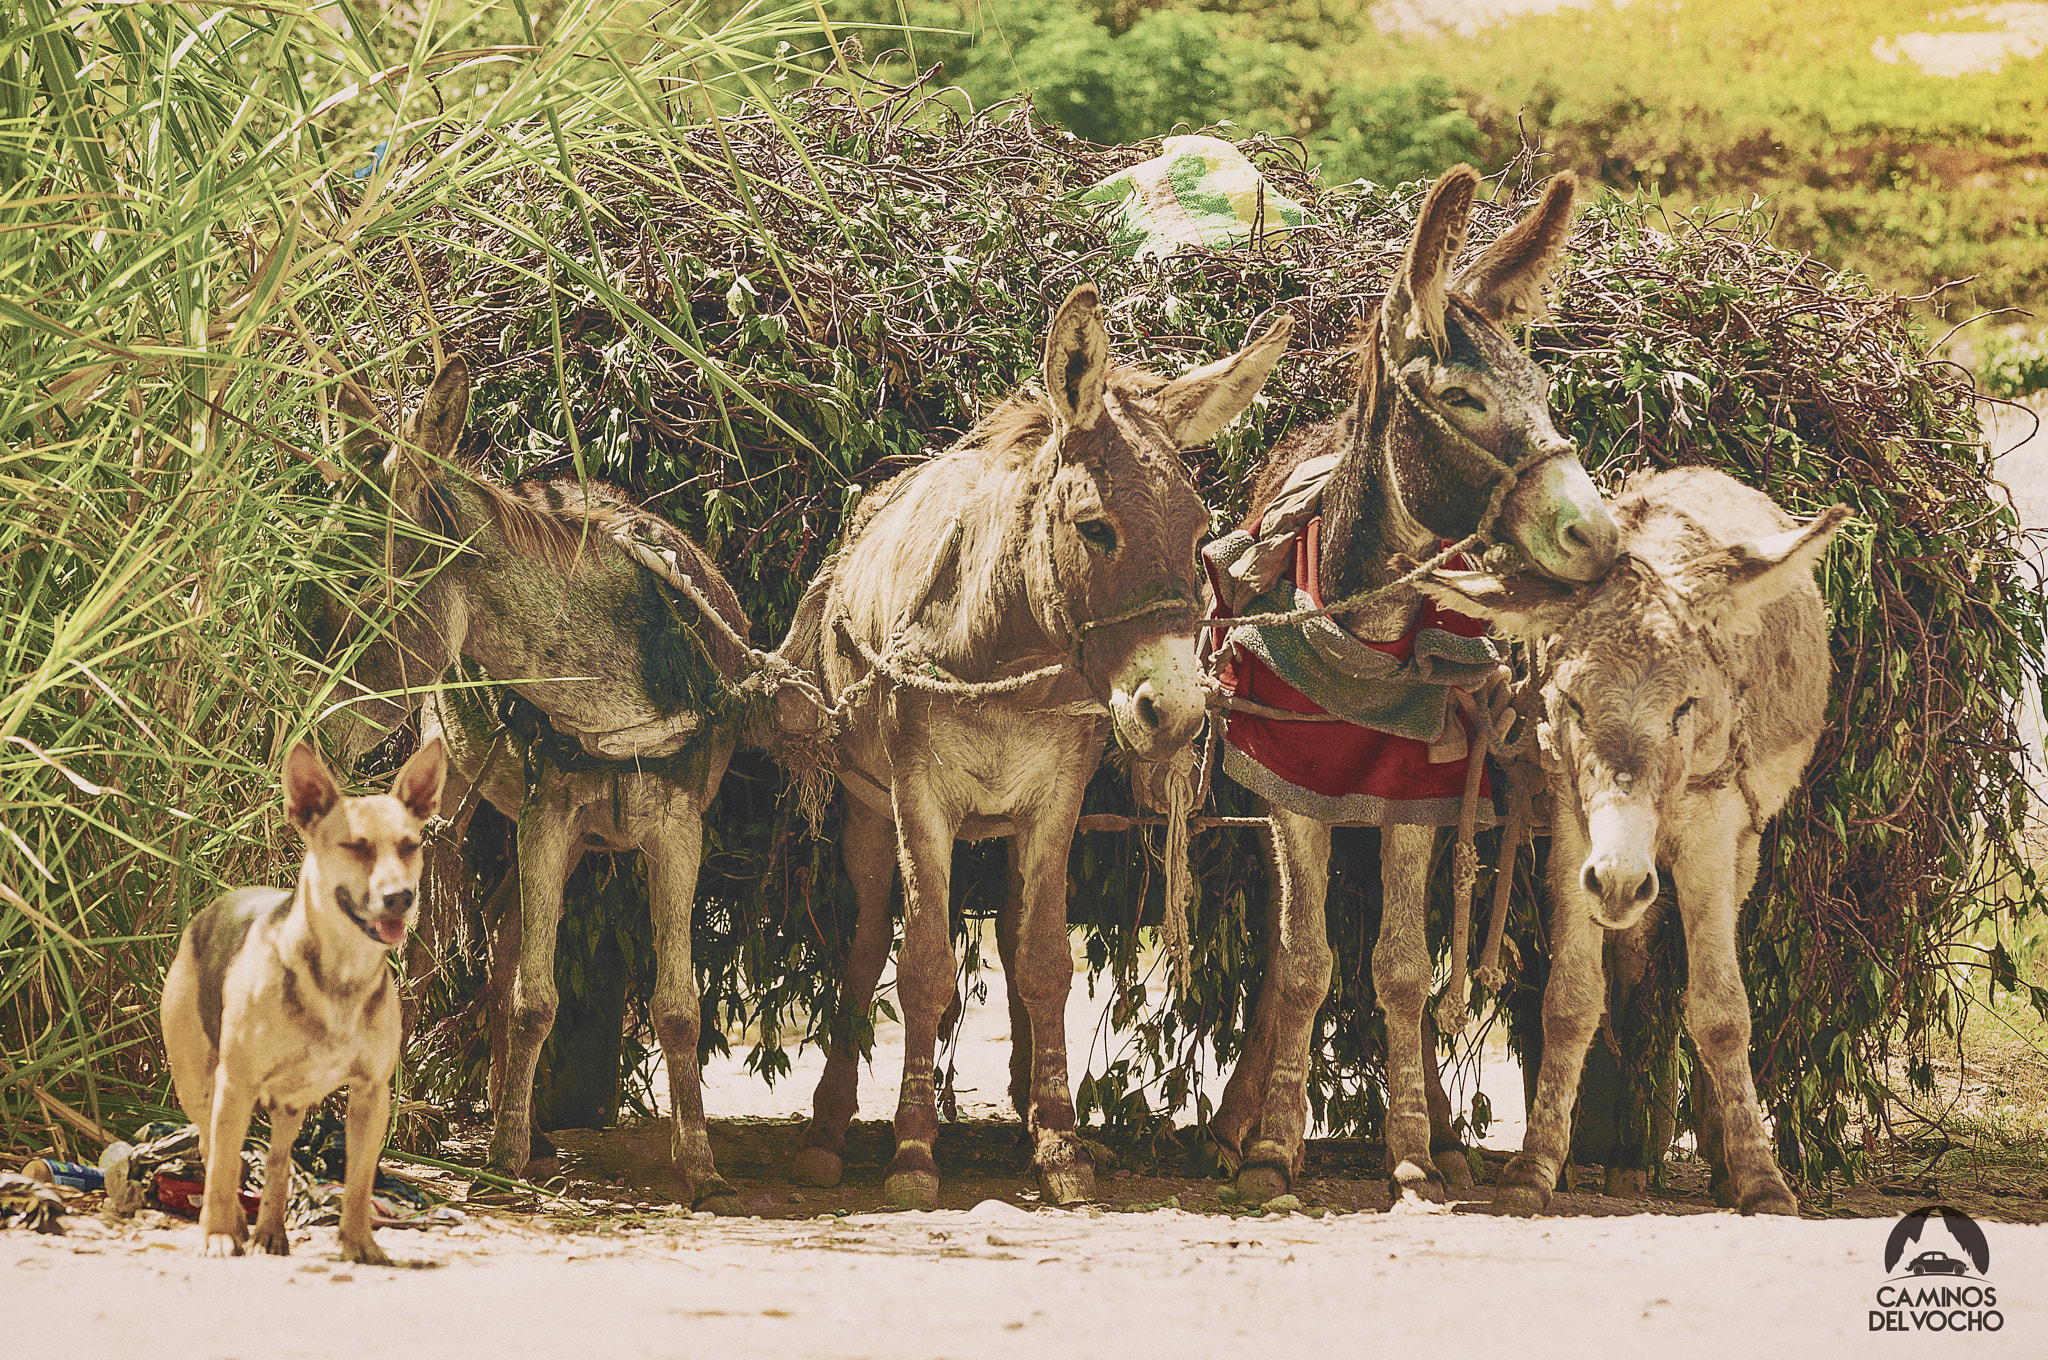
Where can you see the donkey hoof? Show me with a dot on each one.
(816, 1166)
(1519, 1201)
(1770, 1198)
(1453, 1168)
(1066, 1185)
(1410, 1181)
(1258, 1182)
(911, 1190)
(714, 1194)
(1624, 1182)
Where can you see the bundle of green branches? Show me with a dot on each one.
(871, 270)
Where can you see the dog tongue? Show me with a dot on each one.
(390, 932)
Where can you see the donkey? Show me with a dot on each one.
(565, 590)
(594, 611)
(1059, 535)
(1685, 693)
(566, 804)
(1450, 433)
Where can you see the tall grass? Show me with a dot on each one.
(186, 197)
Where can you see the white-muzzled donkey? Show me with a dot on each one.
(1685, 692)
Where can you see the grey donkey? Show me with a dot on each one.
(1685, 692)
(1450, 432)
(563, 590)
(594, 611)
(565, 805)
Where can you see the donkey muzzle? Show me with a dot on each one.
(1558, 520)
(1157, 704)
(1620, 872)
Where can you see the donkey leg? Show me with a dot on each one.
(502, 913)
(1236, 1118)
(868, 847)
(1708, 1122)
(1401, 975)
(1297, 981)
(1717, 1014)
(1008, 921)
(924, 986)
(544, 864)
(1044, 975)
(1446, 1149)
(1572, 1005)
(673, 854)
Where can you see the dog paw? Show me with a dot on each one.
(271, 1241)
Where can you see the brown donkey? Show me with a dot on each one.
(1685, 693)
(1059, 536)
(1450, 434)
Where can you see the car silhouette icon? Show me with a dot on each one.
(1937, 1263)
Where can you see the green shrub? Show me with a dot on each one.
(2014, 363)
(1392, 133)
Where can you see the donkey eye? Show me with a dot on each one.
(1683, 709)
(1099, 532)
(1459, 397)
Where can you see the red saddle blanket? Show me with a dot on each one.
(1340, 771)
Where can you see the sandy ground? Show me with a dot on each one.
(995, 1281)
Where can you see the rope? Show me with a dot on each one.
(1734, 770)
(1490, 722)
(1524, 775)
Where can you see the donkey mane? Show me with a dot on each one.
(1025, 418)
(529, 529)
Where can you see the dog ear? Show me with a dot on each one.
(419, 783)
(310, 792)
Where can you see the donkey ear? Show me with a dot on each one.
(1730, 587)
(437, 426)
(1506, 281)
(1523, 604)
(1413, 313)
(1077, 360)
(310, 792)
(1196, 405)
(419, 782)
(361, 423)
